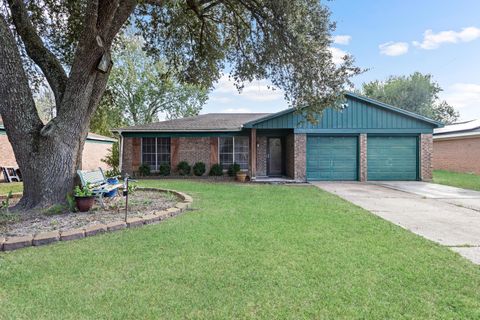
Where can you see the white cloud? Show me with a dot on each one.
(342, 39)
(237, 110)
(337, 55)
(465, 97)
(258, 90)
(433, 40)
(393, 48)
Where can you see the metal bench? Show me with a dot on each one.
(11, 174)
(97, 182)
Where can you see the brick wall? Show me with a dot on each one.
(131, 155)
(300, 156)
(459, 155)
(426, 153)
(290, 155)
(261, 156)
(204, 149)
(193, 150)
(363, 156)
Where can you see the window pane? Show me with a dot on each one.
(163, 151)
(242, 152)
(225, 147)
(148, 152)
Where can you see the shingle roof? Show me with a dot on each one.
(459, 127)
(203, 122)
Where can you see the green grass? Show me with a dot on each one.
(246, 251)
(5, 188)
(456, 179)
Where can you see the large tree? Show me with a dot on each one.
(70, 42)
(145, 89)
(417, 93)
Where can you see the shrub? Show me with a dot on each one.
(164, 169)
(199, 169)
(216, 170)
(144, 170)
(233, 169)
(183, 168)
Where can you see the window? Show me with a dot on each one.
(233, 150)
(155, 151)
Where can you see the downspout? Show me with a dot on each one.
(120, 156)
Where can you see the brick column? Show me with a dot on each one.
(426, 152)
(362, 140)
(300, 156)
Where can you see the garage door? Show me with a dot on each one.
(332, 158)
(392, 158)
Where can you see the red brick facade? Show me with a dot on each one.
(459, 155)
(205, 149)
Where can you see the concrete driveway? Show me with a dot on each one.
(447, 215)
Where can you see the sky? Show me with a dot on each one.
(390, 37)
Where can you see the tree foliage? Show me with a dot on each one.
(143, 88)
(417, 93)
(70, 43)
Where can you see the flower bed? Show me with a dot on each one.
(146, 206)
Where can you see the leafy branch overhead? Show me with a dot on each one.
(285, 41)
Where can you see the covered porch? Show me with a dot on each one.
(273, 157)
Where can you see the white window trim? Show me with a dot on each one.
(233, 153)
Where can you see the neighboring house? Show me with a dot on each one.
(456, 147)
(96, 148)
(366, 140)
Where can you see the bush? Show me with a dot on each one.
(216, 170)
(233, 169)
(199, 169)
(144, 170)
(183, 168)
(164, 169)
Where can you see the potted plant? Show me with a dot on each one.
(241, 176)
(84, 198)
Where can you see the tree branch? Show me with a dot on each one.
(36, 50)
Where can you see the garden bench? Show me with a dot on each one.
(11, 174)
(97, 182)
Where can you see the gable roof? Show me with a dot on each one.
(374, 102)
(201, 123)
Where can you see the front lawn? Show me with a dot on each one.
(456, 179)
(246, 251)
(5, 188)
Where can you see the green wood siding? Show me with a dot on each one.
(358, 116)
(332, 158)
(392, 158)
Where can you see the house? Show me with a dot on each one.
(456, 147)
(366, 140)
(95, 149)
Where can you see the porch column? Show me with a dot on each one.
(253, 153)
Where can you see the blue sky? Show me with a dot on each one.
(391, 37)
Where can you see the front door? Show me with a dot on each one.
(275, 164)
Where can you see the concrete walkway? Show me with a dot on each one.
(449, 216)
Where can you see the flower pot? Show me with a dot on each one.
(241, 176)
(112, 180)
(84, 204)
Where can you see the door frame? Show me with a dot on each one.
(282, 158)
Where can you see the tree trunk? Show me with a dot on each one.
(48, 155)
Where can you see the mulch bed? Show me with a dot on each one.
(141, 203)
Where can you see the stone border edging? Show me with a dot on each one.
(43, 238)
